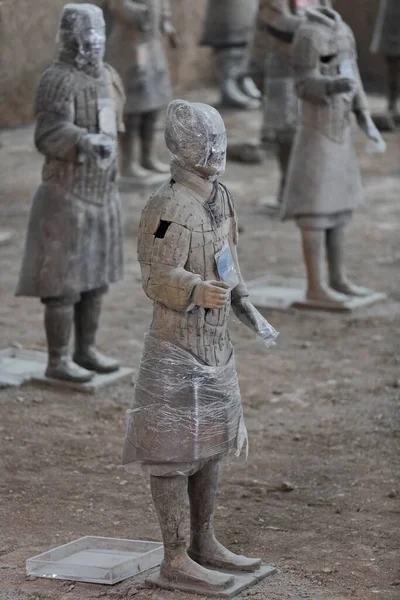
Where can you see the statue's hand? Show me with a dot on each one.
(170, 32)
(211, 294)
(249, 316)
(97, 146)
(368, 126)
(340, 85)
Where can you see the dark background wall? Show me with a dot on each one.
(27, 46)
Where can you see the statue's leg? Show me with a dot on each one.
(230, 68)
(58, 317)
(169, 497)
(204, 548)
(87, 316)
(393, 74)
(337, 275)
(313, 241)
(148, 139)
(284, 142)
(129, 141)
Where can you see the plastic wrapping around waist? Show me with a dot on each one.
(183, 410)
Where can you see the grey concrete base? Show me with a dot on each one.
(283, 293)
(242, 582)
(19, 366)
(5, 237)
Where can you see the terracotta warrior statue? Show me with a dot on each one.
(73, 249)
(228, 29)
(324, 183)
(187, 412)
(136, 49)
(280, 102)
(386, 41)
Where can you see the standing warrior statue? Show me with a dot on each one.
(187, 412)
(228, 29)
(324, 183)
(281, 19)
(386, 41)
(74, 242)
(136, 49)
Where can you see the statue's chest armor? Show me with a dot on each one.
(337, 54)
(94, 105)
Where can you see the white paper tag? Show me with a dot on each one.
(346, 68)
(226, 267)
(107, 117)
(143, 55)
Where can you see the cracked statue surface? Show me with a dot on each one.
(187, 414)
(323, 185)
(74, 243)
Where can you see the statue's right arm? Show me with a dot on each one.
(163, 249)
(127, 10)
(56, 134)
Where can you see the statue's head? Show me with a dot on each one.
(196, 137)
(82, 33)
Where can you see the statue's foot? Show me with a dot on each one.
(152, 164)
(181, 570)
(135, 171)
(249, 88)
(66, 370)
(245, 152)
(93, 360)
(326, 295)
(232, 96)
(210, 553)
(350, 289)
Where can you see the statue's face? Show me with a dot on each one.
(82, 31)
(195, 134)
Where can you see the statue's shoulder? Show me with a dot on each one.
(57, 85)
(170, 203)
(115, 79)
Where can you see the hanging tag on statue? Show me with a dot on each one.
(226, 266)
(143, 56)
(346, 68)
(107, 117)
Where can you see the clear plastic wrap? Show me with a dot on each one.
(196, 137)
(183, 411)
(82, 30)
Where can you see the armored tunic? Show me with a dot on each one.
(281, 18)
(229, 23)
(74, 241)
(324, 175)
(138, 53)
(187, 405)
(386, 38)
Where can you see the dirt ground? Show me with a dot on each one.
(320, 410)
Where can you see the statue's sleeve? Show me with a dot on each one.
(280, 21)
(360, 102)
(126, 10)
(163, 249)
(240, 291)
(118, 93)
(311, 85)
(166, 10)
(56, 134)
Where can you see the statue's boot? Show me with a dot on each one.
(87, 316)
(130, 168)
(337, 275)
(169, 497)
(248, 87)
(230, 67)
(148, 139)
(393, 68)
(204, 547)
(313, 241)
(58, 325)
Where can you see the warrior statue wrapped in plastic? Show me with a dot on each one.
(74, 242)
(187, 412)
(135, 48)
(324, 182)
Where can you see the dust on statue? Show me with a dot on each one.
(187, 412)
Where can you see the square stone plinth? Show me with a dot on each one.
(19, 366)
(283, 293)
(242, 581)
